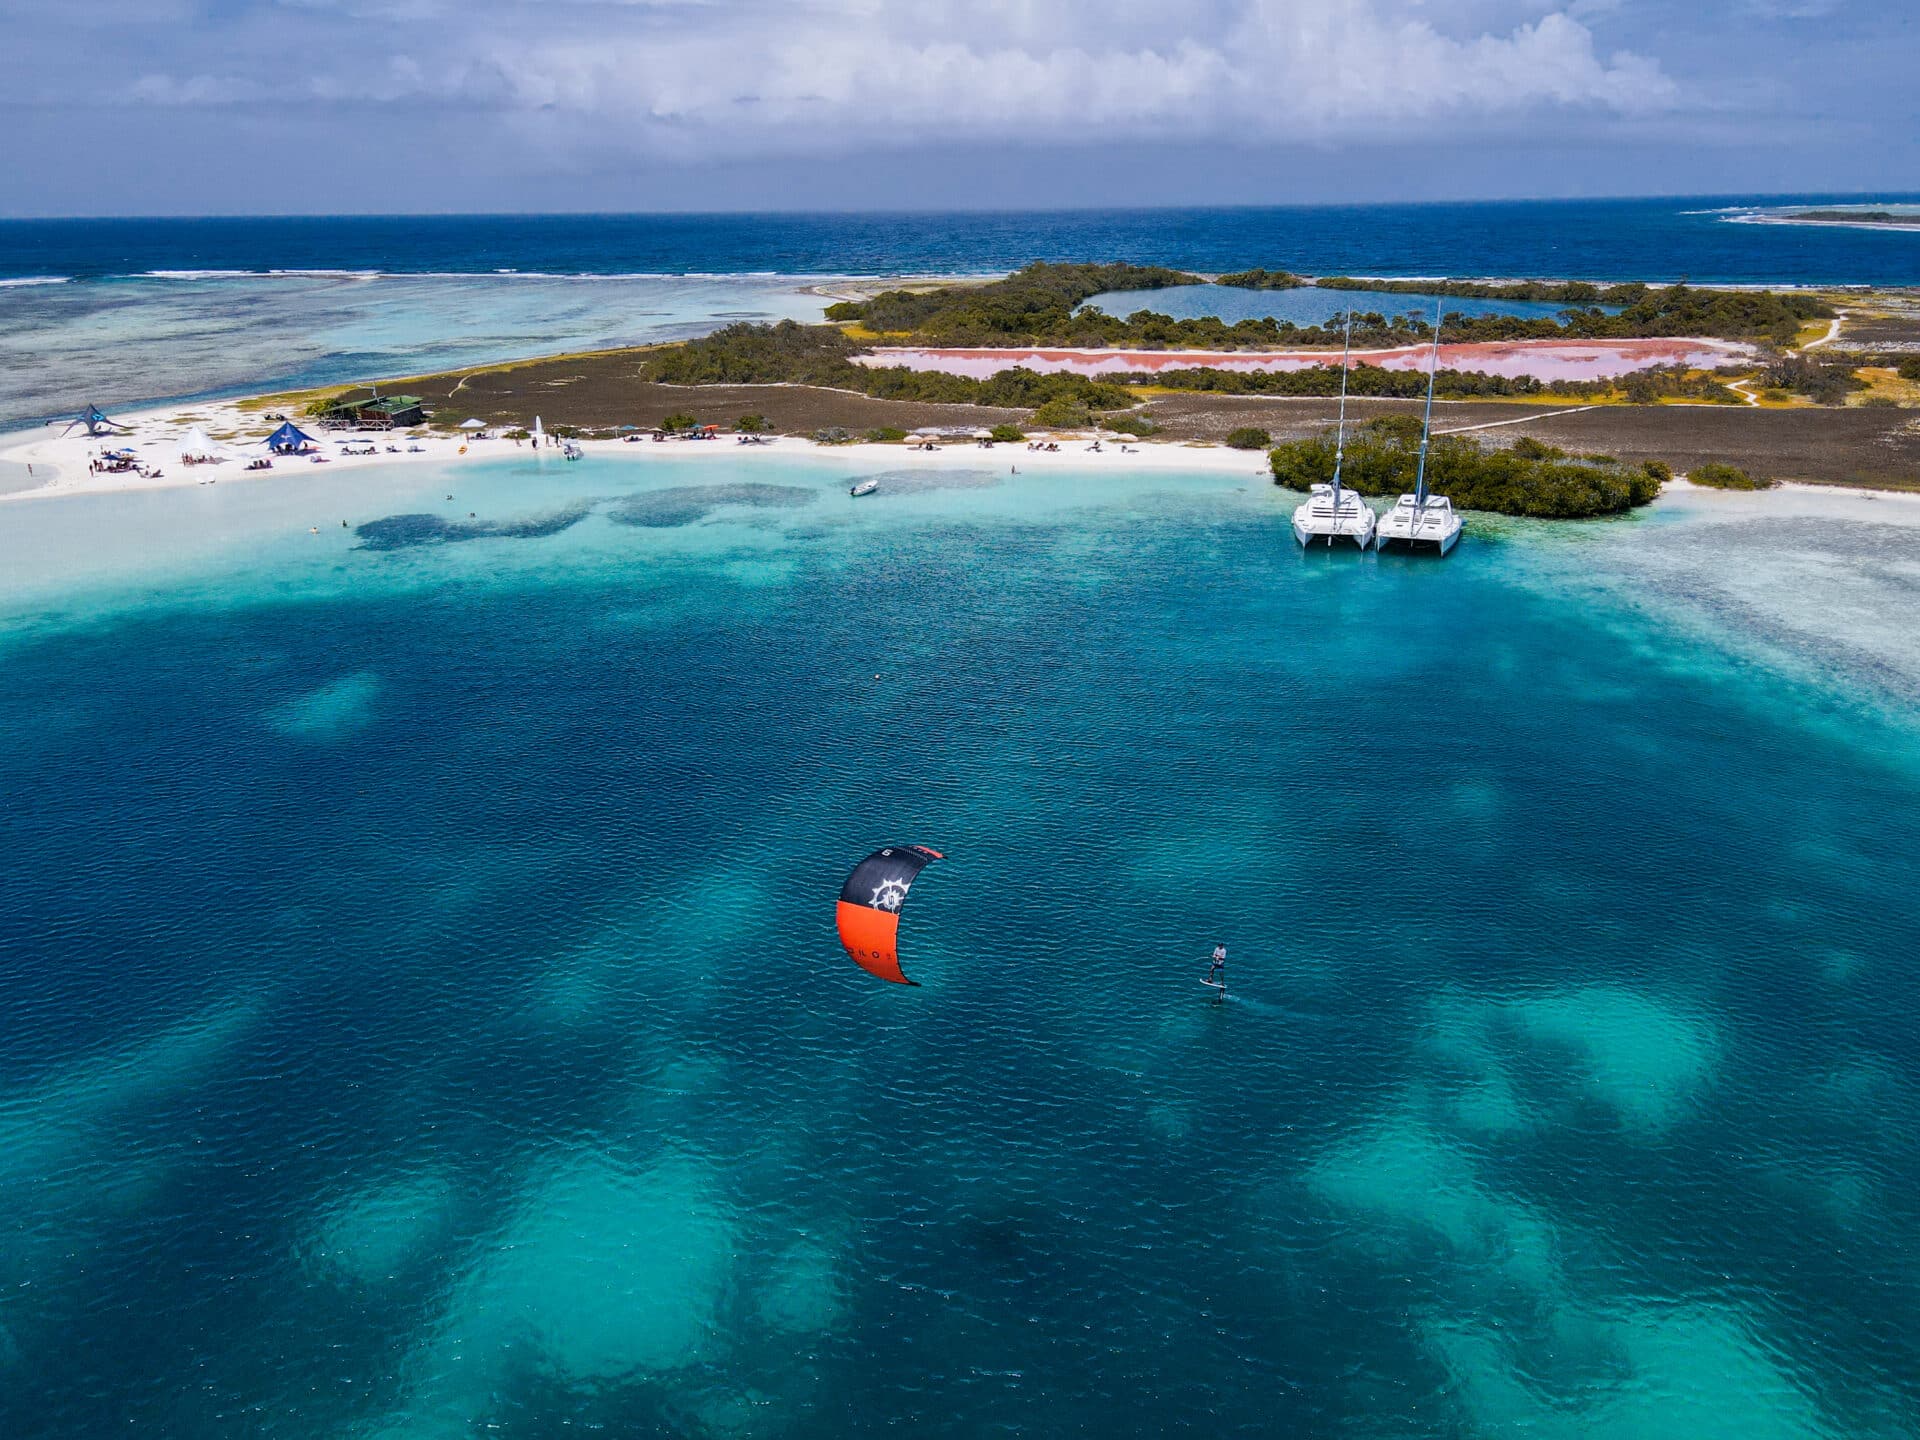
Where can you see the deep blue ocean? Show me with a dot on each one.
(420, 1009)
(423, 1015)
(1701, 238)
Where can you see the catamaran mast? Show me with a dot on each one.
(1426, 425)
(1340, 441)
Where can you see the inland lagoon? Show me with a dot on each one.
(424, 1014)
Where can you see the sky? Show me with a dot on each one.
(158, 107)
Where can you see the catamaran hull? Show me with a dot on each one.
(1333, 518)
(1440, 544)
(1306, 536)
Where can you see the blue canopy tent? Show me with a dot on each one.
(95, 421)
(289, 439)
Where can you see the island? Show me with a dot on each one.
(1580, 409)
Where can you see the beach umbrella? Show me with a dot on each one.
(983, 434)
(473, 424)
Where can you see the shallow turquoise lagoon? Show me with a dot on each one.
(424, 1018)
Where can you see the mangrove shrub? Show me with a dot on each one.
(1717, 476)
(1529, 478)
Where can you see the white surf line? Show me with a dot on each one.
(1496, 424)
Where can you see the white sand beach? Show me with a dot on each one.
(49, 465)
(62, 464)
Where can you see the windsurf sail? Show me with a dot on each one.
(869, 910)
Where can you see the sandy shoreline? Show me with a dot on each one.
(60, 464)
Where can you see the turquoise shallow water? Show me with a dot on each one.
(424, 1012)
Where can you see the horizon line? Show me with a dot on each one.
(1796, 196)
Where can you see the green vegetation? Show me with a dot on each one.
(1030, 303)
(790, 353)
(1527, 478)
(1642, 387)
(833, 435)
(1261, 280)
(794, 354)
(1569, 292)
(1824, 384)
(752, 425)
(1726, 477)
(1037, 305)
(1909, 368)
(1855, 217)
(1063, 413)
(1248, 437)
(678, 421)
(885, 435)
(1137, 426)
(1008, 434)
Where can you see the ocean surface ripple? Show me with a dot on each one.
(424, 1013)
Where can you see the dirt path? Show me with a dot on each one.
(1521, 420)
(1833, 333)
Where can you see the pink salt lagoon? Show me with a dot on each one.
(1546, 360)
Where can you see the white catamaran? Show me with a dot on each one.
(1420, 518)
(1332, 510)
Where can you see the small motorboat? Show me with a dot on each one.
(572, 451)
(865, 487)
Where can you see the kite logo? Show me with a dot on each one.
(889, 894)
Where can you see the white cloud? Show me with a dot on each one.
(159, 89)
(1791, 9)
(695, 80)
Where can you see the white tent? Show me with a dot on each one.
(196, 445)
(473, 424)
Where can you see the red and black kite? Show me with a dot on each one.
(869, 909)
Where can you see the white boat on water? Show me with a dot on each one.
(865, 487)
(1413, 521)
(572, 451)
(1332, 512)
(1422, 519)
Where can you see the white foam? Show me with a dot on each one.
(23, 281)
